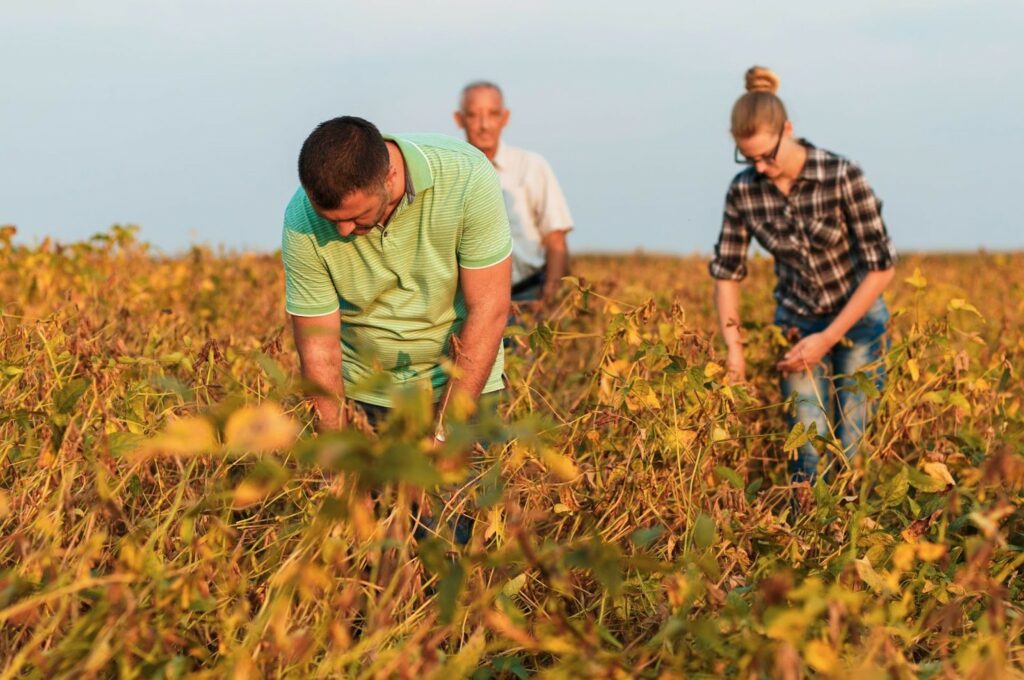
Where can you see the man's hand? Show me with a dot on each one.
(806, 354)
(487, 293)
(318, 340)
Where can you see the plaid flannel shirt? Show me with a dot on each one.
(825, 236)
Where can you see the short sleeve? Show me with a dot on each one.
(863, 212)
(552, 210)
(730, 259)
(486, 238)
(309, 289)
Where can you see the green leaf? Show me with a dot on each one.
(799, 436)
(273, 369)
(895, 490)
(333, 508)
(823, 495)
(448, 590)
(542, 337)
(644, 536)
(704, 532)
(922, 482)
(68, 396)
(120, 443)
(169, 384)
(407, 463)
(603, 559)
(729, 475)
(865, 385)
(491, 488)
(510, 664)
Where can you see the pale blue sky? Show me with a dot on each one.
(186, 117)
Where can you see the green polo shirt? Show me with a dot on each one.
(398, 288)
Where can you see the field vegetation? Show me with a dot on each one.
(165, 511)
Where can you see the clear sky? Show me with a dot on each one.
(186, 117)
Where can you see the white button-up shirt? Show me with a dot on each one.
(535, 203)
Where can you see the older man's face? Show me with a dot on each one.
(483, 116)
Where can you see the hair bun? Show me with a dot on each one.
(761, 79)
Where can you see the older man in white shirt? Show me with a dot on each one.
(537, 211)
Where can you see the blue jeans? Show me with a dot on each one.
(461, 525)
(827, 395)
(530, 290)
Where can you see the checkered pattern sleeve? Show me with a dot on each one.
(730, 260)
(863, 211)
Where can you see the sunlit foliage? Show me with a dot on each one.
(166, 512)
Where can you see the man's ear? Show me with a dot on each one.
(787, 129)
(458, 120)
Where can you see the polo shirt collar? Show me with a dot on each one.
(418, 176)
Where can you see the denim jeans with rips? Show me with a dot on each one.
(828, 395)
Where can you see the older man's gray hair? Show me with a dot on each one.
(476, 84)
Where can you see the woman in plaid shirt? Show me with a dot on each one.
(817, 216)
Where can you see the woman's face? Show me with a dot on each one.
(767, 149)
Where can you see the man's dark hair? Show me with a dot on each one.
(340, 156)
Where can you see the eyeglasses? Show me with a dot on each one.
(768, 158)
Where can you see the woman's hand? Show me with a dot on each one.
(806, 354)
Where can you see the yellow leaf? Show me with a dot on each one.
(903, 556)
(495, 523)
(711, 369)
(788, 625)
(915, 372)
(558, 645)
(939, 472)
(261, 429)
(248, 493)
(868, 574)
(561, 508)
(181, 437)
(961, 305)
(917, 280)
(680, 438)
(929, 552)
(560, 466)
(820, 656)
(718, 434)
(514, 585)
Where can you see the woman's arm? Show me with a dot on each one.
(727, 301)
(811, 349)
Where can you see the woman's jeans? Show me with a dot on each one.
(828, 395)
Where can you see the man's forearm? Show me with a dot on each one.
(556, 266)
(474, 352)
(330, 416)
(320, 359)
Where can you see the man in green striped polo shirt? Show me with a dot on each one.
(394, 246)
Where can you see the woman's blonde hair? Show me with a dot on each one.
(759, 109)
